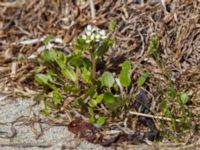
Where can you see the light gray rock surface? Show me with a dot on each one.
(20, 130)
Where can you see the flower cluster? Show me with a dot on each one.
(93, 34)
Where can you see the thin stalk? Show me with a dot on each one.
(77, 75)
(93, 59)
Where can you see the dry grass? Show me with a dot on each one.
(175, 23)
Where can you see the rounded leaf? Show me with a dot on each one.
(184, 98)
(107, 79)
(124, 78)
(101, 121)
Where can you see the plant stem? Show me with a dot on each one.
(93, 59)
(77, 75)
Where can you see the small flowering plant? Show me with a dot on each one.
(94, 40)
(75, 76)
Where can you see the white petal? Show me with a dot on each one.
(84, 36)
(89, 28)
(89, 33)
(97, 36)
(95, 28)
(92, 37)
(87, 41)
(103, 32)
(104, 37)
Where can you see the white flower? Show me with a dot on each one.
(92, 37)
(84, 36)
(103, 32)
(97, 36)
(89, 33)
(89, 28)
(93, 33)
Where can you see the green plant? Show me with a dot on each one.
(172, 101)
(75, 76)
(173, 97)
(142, 79)
(112, 25)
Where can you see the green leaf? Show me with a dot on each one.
(167, 112)
(91, 111)
(153, 44)
(165, 108)
(126, 65)
(70, 87)
(112, 25)
(54, 55)
(80, 45)
(57, 97)
(52, 73)
(91, 92)
(103, 48)
(142, 79)
(86, 75)
(61, 60)
(45, 56)
(43, 79)
(171, 91)
(99, 98)
(107, 79)
(109, 99)
(96, 99)
(101, 121)
(87, 63)
(49, 55)
(69, 73)
(92, 103)
(76, 61)
(112, 102)
(184, 98)
(45, 112)
(124, 78)
(47, 39)
(92, 119)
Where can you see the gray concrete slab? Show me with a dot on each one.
(23, 135)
